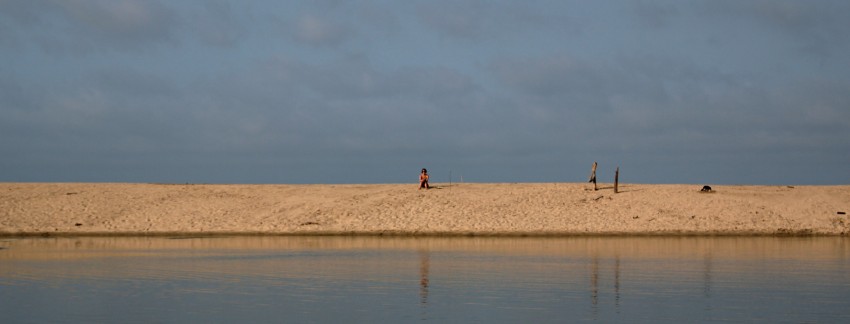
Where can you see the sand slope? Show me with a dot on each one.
(470, 208)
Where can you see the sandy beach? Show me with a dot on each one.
(401, 209)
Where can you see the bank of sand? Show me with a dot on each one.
(459, 209)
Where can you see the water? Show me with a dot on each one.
(404, 279)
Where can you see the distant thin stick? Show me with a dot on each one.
(616, 178)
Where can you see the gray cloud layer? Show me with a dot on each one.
(330, 91)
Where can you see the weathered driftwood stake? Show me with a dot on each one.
(616, 179)
(593, 175)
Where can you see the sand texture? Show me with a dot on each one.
(459, 209)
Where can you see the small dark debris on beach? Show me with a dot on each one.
(705, 189)
(308, 223)
(78, 224)
(842, 213)
(72, 193)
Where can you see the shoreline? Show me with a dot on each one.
(196, 235)
(464, 209)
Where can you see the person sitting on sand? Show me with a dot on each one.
(423, 179)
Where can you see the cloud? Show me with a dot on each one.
(651, 105)
(121, 20)
(654, 14)
(272, 92)
(319, 31)
(343, 105)
(815, 26)
(216, 24)
(95, 25)
(477, 20)
(547, 76)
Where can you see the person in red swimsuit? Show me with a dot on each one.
(423, 179)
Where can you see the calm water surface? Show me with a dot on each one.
(375, 279)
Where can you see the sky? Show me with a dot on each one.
(210, 91)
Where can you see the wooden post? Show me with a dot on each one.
(616, 178)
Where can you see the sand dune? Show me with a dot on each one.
(464, 209)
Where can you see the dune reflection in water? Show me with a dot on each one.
(369, 279)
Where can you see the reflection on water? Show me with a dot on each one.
(371, 279)
(424, 268)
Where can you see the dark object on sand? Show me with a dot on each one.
(705, 189)
(842, 213)
(78, 224)
(616, 179)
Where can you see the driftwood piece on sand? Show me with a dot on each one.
(616, 179)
